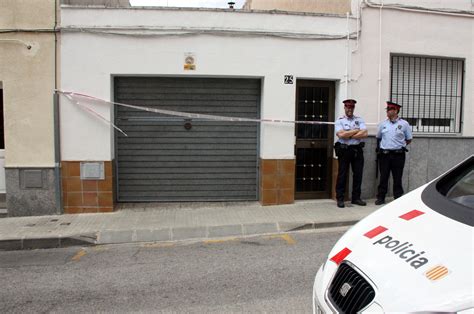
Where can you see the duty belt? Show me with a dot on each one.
(346, 146)
(393, 151)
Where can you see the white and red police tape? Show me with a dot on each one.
(74, 98)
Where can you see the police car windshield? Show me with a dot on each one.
(462, 191)
(452, 195)
(458, 184)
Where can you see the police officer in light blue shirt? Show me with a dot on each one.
(351, 131)
(393, 134)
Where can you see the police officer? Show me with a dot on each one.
(351, 130)
(394, 135)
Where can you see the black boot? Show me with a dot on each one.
(380, 201)
(340, 204)
(359, 202)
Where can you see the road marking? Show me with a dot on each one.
(289, 239)
(78, 255)
(213, 241)
(286, 237)
(158, 245)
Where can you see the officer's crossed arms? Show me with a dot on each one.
(352, 134)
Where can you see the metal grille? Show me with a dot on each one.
(430, 91)
(311, 169)
(349, 292)
(312, 106)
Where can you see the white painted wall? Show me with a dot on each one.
(410, 33)
(89, 60)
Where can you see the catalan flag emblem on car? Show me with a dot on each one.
(437, 272)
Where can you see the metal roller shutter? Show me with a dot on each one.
(161, 160)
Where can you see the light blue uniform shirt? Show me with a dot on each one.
(394, 134)
(345, 123)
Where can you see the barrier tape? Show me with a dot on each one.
(71, 95)
(89, 110)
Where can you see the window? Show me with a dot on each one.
(430, 91)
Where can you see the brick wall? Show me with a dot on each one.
(86, 196)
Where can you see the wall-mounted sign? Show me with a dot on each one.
(92, 170)
(288, 79)
(189, 61)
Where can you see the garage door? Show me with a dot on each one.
(167, 158)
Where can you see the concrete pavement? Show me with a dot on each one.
(152, 222)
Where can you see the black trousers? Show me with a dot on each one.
(394, 163)
(353, 157)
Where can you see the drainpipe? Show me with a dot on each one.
(358, 26)
(348, 55)
(380, 63)
(57, 155)
(57, 147)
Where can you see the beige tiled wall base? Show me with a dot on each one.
(277, 181)
(86, 196)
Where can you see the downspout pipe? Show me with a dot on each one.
(379, 100)
(57, 155)
(57, 142)
(348, 56)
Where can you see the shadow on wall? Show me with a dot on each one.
(427, 159)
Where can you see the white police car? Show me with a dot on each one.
(414, 254)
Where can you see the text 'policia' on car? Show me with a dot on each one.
(414, 254)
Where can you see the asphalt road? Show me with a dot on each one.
(271, 273)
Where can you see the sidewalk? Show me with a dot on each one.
(145, 222)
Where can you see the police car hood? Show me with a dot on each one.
(415, 258)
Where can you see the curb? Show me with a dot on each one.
(164, 235)
(47, 242)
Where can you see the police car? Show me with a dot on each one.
(414, 254)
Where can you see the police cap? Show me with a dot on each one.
(349, 102)
(391, 104)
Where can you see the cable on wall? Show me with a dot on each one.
(404, 7)
(142, 31)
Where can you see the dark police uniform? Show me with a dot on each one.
(349, 153)
(391, 154)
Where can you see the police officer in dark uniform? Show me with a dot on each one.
(393, 134)
(351, 130)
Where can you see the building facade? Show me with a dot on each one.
(419, 54)
(264, 66)
(205, 63)
(27, 83)
(177, 105)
